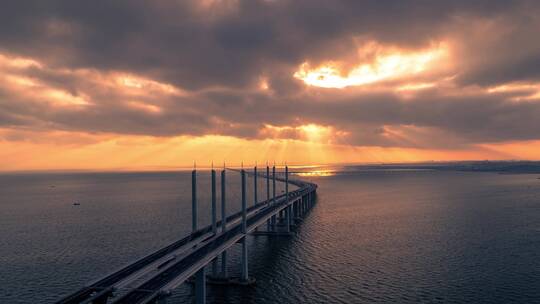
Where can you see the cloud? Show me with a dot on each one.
(195, 68)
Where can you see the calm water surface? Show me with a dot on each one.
(377, 236)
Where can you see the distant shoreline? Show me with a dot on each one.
(503, 167)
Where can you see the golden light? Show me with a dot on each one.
(113, 151)
(130, 82)
(308, 132)
(415, 86)
(314, 132)
(263, 84)
(145, 107)
(386, 65)
(18, 62)
(526, 91)
(20, 81)
(138, 84)
(43, 93)
(62, 98)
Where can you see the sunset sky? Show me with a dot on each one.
(159, 84)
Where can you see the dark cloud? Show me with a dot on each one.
(189, 46)
(219, 52)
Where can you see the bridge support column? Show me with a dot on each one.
(194, 200)
(223, 222)
(245, 274)
(214, 219)
(288, 209)
(274, 196)
(268, 193)
(200, 287)
(255, 198)
(162, 300)
(255, 194)
(224, 273)
(244, 204)
(245, 269)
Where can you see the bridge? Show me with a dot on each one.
(152, 278)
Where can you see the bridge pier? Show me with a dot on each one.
(163, 297)
(245, 269)
(200, 287)
(162, 300)
(298, 210)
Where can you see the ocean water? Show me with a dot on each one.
(374, 236)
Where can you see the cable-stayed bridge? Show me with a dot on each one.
(152, 278)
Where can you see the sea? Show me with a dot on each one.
(377, 234)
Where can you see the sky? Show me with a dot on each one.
(139, 84)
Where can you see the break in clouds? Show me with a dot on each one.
(422, 74)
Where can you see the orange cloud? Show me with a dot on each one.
(302, 143)
(14, 76)
(386, 64)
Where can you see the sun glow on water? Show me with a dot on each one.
(316, 173)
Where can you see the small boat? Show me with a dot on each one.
(76, 204)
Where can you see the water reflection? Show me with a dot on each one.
(313, 173)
